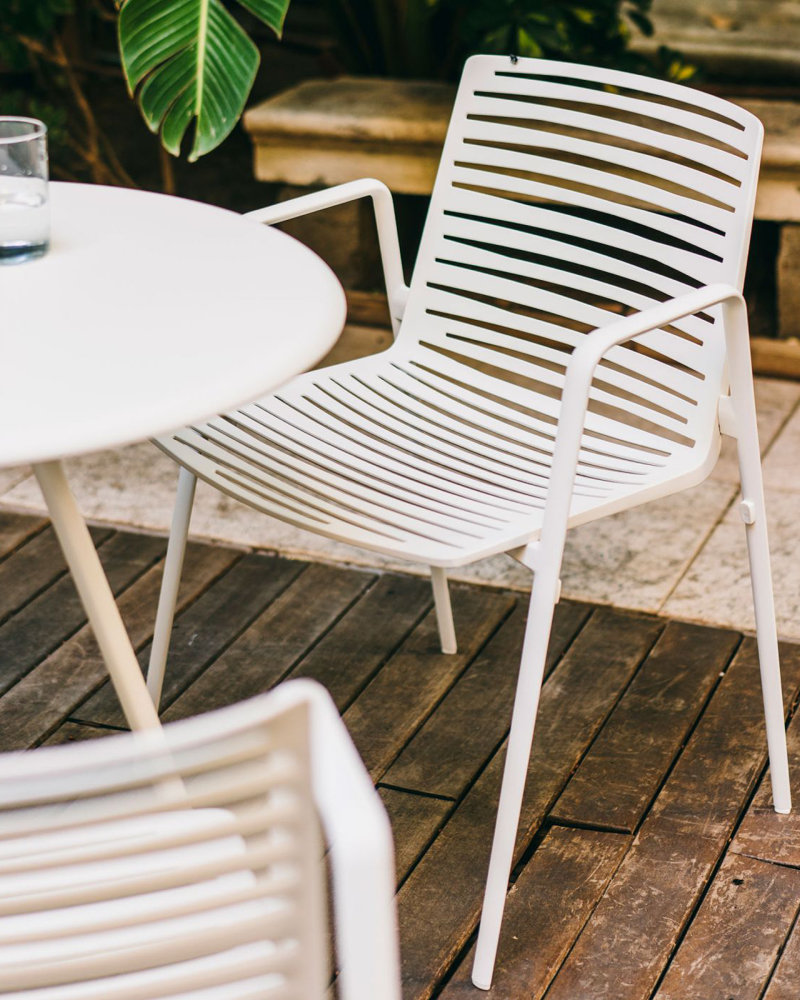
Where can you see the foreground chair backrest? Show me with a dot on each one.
(187, 861)
(573, 343)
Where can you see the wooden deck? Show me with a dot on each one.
(649, 865)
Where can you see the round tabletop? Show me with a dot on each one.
(148, 313)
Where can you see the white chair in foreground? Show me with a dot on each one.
(573, 343)
(187, 862)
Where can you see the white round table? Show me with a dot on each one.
(148, 313)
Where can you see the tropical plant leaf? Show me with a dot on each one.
(190, 60)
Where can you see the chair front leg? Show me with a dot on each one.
(544, 597)
(170, 582)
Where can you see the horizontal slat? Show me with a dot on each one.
(712, 205)
(241, 970)
(660, 225)
(655, 112)
(529, 453)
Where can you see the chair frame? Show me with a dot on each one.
(543, 551)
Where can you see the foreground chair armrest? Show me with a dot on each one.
(362, 860)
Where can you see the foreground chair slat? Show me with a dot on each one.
(573, 344)
(187, 862)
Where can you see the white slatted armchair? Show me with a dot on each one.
(573, 343)
(187, 862)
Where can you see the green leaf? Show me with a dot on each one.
(271, 12)
(190, 60)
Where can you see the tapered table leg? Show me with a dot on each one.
(98, 601)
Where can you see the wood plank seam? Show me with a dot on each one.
(620, 695)
(794, 929)
(243, 627)
(389, 654)
(684, 743)
(423, 719)
(36, 530)
(104, 543)
(316, 640)
(106, 701)
(414, 791)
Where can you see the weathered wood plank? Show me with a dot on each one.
(204, 630)
(415, 819)
(32, 568)
(76, 732)
(546, 909)
(632, 933)
(733, 942)
(440, 902)
(53, 689)
(783, 985)
(54, 615)
(438, 760)
(350, 654)
(765, 834)
(269, 647)
(15, 529)
(399, 699)
(627, 762)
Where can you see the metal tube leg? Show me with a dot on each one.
(754, 515)
(769, 663)
(95, 593)
(444, 610)
(743, 406)
(526, 703)
(170, 582)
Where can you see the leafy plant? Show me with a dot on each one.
(45, 76)
(191, 60)
(24, 21)
(432, 38)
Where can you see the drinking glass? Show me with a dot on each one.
(24, 206)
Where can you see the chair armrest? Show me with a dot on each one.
(359, 837)
(588, 354)
(396, 288)
(578, 383)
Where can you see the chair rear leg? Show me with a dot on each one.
(444, 610)
(526, 702)
(173, 564)
(754, 516)
(742, 408)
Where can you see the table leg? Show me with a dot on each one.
(95, 593)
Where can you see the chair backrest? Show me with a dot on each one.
(567, 196)
(187, 861)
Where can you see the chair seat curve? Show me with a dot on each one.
(385, 453)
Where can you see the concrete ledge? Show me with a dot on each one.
(330, 131)
(737, 39)
(325, 132)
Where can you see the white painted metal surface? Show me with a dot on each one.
(187, 862)
(574, 319)
(148, 311)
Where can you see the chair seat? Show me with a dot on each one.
(384, 453)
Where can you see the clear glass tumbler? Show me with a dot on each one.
(24, 204)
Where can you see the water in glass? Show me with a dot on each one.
(24, 205)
